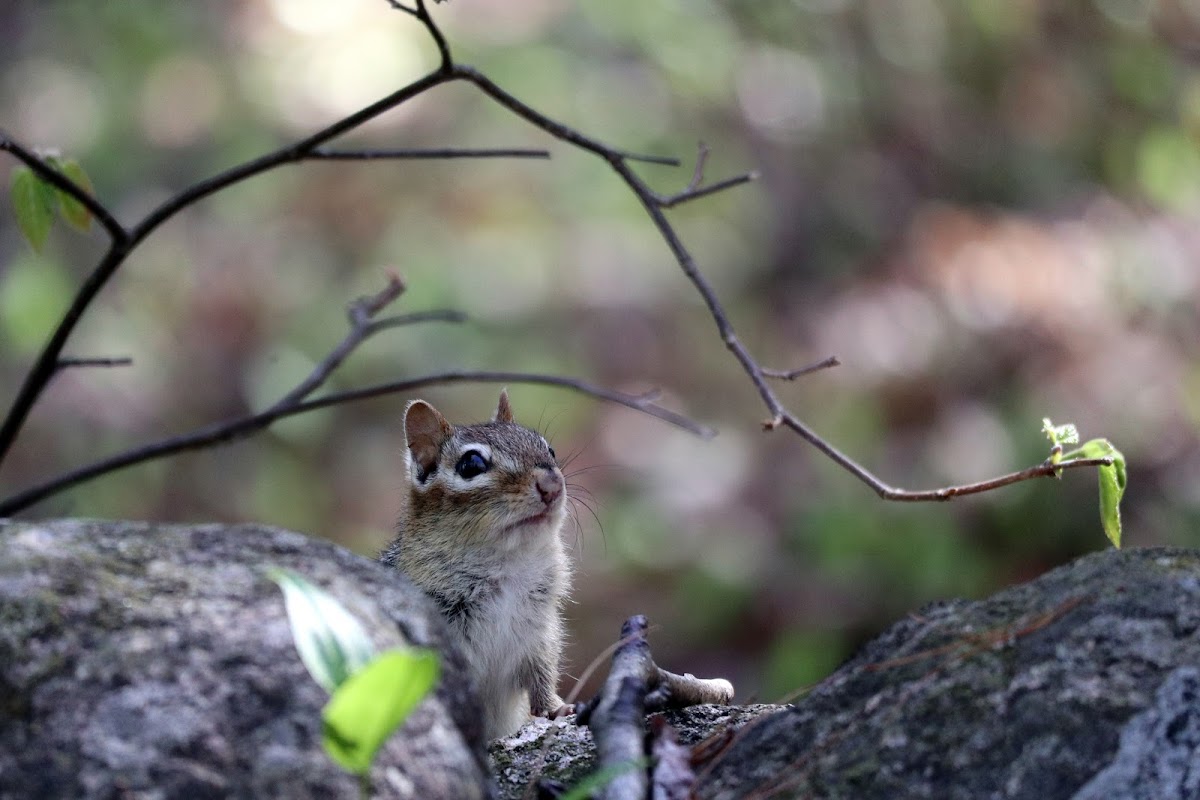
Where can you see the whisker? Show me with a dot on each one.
(574, 454)
(548, 432)
(591, 467)
(582, 491)
(595, 516)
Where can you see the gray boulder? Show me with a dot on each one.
(1077, 682)
(156, 661)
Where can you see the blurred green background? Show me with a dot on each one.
(986, 208)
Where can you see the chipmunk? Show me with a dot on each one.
(479, 534)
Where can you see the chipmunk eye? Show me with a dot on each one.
(551, 449)
(471, 464)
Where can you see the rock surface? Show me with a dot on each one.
(563, 752)
(1024, 695)
(1160, 748)
(155, 661)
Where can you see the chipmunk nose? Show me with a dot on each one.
(549, 485)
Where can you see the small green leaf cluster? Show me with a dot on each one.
(35, 201)
(1112, 476)
(370, 695)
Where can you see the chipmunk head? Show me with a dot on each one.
(493, 481)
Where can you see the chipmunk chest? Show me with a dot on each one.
(508, 615)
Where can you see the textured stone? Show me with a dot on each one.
(1022, 695)
(156, 661)
(1159, 755)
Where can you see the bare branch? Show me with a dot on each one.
(702, 152)
(362, 327)
(705, 191)
(666, 161)
(1045, 470)
(359, 314)
(401, 7)
(124, 241)
(791, 375)
(654, 206)
(617, 715)
(240, 428)
(681, 691)
(635, 687)
(696, 188)
(401, 320)
(435, 33)
(556, 129)
(68, 362)
(310, 148)
(416, 153)
(361, 310)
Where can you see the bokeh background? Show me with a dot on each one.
(988, 209)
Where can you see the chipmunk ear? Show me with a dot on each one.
(424, 432)
(503, 409)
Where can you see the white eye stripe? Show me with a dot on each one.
(455, 483)
(482, 449)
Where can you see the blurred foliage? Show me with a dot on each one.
(986, 208)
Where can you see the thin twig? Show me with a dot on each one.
(401, 7)
(696, 188)
(359, 314)
(422, 14)
(417, 317)
(791, 375)
(551, 126)
(68, 362)
(1045, 470)
(704, 191)
(569, 704)
(419, 153)
(697, 180)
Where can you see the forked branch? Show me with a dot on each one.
(655, 206)
(635, 687)
(124, 240)
(363, 325)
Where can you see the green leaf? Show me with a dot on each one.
(1112, 487)
(367, 708)
(331, 643)
(601, 778)
(1112, 484)
(33, 206)
(1060, 434)
(74, 212)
